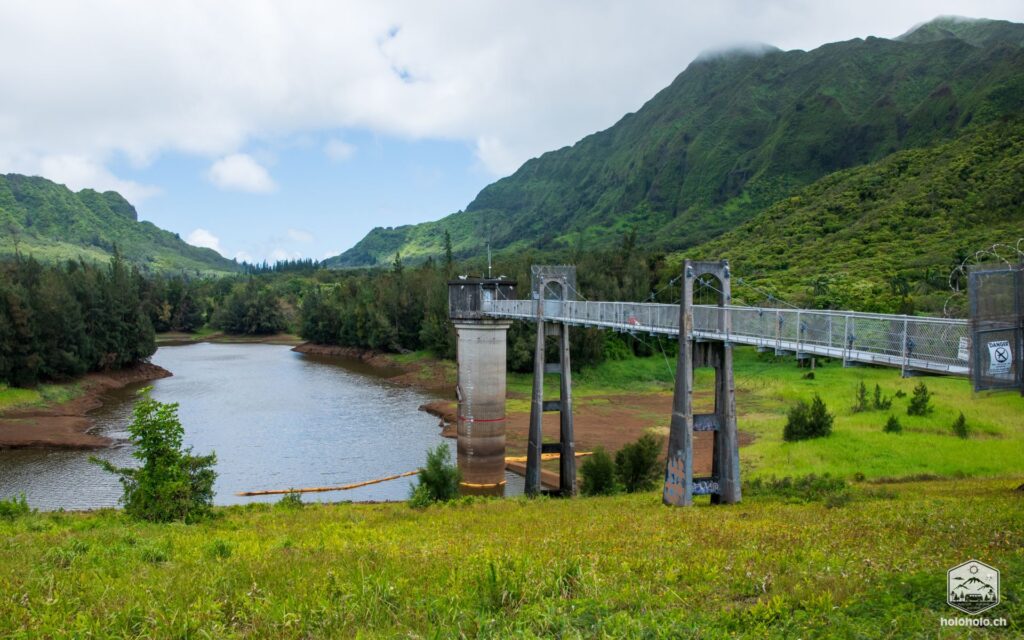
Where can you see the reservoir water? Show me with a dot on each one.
(276, 419)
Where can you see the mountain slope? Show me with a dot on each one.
(51, 222)
(731, 135)
(865, 237)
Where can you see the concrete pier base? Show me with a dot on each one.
(481, 395)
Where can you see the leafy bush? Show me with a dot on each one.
(290, 500)
(881, 403)
(438, 479)
(900, 393)
(14, 507)
(172, 484)
(636, 464)
(920, 403)
(808, 421)
(893, 425)
(960, 427)
(598, 474)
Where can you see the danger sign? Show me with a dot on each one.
(1000, 356)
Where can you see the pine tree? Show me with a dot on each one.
(920, 402)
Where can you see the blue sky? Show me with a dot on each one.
(267, 129)
(320, 204)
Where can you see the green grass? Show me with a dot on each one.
(624, 566)
(858, 444)
(767, 387)
(42, 395)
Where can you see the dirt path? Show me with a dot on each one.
(66, 425)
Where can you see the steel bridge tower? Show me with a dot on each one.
(724, 483)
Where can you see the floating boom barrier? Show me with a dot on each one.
(356, 485)
(344, 487)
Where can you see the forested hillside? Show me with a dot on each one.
(886, 236)
(733, 134)
(50, 222)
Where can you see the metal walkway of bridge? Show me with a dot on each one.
(911, 343)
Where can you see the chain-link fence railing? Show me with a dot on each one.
(909, 342)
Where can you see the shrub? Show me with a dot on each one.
(14, 507)
(802, 489)
(960, 427)
(636, 464)
(900, 393)
(920, 403)
(893, 425)
(438, 479)
(172, 484)
(598, 474)
(861, 402)
(881, 403)
(291, 500)
(808, 421)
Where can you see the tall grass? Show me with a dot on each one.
(777, 566)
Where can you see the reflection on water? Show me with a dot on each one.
(276, 419)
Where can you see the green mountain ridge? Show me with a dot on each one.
(49, 221)
(868, 237)
(730, 136)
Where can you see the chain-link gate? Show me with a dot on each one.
(997, 326)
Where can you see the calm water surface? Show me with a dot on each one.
(276, 419)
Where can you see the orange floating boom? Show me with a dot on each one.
(356, 485)
(344, 487)
(548, 456)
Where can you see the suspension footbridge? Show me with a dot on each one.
(482, 310)
(910, 343)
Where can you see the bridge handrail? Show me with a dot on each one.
(889, 339)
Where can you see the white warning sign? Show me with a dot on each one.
(963, 351)
(1000, 356)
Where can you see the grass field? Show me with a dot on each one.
(767, 387)
(626, 566)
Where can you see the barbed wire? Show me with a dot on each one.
(959, 272)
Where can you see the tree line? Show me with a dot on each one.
(58, 322)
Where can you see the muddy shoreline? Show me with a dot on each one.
(67, 425)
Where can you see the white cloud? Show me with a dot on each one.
(243, 256)
(283, 254)
(515, 79)
(203, 238)
(339, 150)
(240, 172)
(298, 235)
